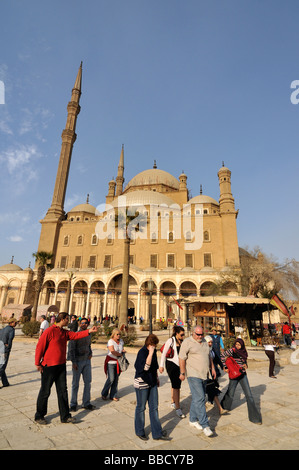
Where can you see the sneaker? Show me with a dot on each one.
(208, 432)
(179, 413)
(196, 425)
(172, 405)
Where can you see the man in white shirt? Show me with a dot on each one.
(44, 325)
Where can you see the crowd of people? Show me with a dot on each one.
(199, 359)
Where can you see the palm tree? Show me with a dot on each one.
(124, 221)
(41, 258)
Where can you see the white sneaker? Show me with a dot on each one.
(196, 425)
(179, 413)
(172, 405)
(208, 432)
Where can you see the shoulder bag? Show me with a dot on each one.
(234, 369)
(123, 363)
(170, 352)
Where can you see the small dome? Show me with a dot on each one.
(10, 267)
(152, 177)
(84, 208)
(202, 199)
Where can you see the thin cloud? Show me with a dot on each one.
(15, 238)
(18, 159)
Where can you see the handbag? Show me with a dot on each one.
(234, 369)
(123, 363)
(170, 352)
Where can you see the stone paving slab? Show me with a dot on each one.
(110, 427)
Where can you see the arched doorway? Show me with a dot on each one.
(208, 288)
(114, 294)
(79, 299)
(168, 294)
(48, 293)
(96, 300)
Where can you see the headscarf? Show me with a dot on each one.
(242, 353)
(209, 339)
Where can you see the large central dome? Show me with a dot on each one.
(153, 177)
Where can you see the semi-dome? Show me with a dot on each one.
(10, 267)
(86, 207)
(154, 176)
(142, 198)
(202, 199)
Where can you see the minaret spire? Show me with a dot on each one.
(68, 136)
(120, 174)
(51, 223)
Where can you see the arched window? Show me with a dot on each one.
(170, 237)
(206, 236)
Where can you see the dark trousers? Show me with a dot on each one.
(50, 375)
(3, 375)
(271, 356)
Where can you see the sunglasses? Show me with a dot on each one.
(199, 334)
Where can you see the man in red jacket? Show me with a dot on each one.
(50, 360)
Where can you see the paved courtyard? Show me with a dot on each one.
(110, 426)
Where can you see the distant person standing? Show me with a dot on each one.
(50, 361)
(286, 331)
(269, 344)
(217, 347)
(6, 338)
(73, 326)
(44, 325)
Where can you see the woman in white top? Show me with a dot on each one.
(269, 344)
(111, 367)
(172, 366)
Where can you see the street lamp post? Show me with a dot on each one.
(150, 286)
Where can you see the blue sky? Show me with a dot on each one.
(186, 83)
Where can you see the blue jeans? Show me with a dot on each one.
(112, 381)
(149, 395)
(84, 369)
(198, 407)
(253, 414)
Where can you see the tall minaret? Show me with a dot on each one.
(68, 138)
(228, 216)
(120, 174)
(52, 220)
(226, 201)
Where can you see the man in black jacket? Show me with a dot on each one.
(6, 338)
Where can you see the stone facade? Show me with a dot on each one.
(183, 246)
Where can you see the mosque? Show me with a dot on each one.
(180, 252)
